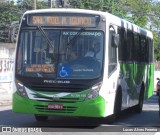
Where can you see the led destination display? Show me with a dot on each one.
(51, 20)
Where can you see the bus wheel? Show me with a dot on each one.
(117, 108)
(118, 103)
(138, 108)
(41, 117)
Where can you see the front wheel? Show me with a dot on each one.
(41, 117)
(118, 103)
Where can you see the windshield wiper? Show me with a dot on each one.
(45, 36)
(76, 36)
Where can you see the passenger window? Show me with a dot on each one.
(112, 52)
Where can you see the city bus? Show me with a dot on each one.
(58, 72)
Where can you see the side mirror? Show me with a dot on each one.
(115, 40)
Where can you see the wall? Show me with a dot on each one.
(7, 52)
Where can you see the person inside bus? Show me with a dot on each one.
(91, 58)
(96, 49)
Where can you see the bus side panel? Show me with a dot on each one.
(132, 77)
(149, 82)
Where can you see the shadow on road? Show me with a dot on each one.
(8, 118)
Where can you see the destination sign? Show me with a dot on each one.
(72, 21)
(46, 68)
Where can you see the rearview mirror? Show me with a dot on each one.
(115, 40)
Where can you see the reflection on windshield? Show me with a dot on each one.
(76, 36)
(45, 53)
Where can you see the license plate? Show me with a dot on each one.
(55, 106)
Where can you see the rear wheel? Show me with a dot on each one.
(138, 108)
(157, 93)
(41, 117)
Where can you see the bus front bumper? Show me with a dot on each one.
(89, 108)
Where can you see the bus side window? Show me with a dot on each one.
(122, 48)
(129, 46)
(137, 54)
(151, 51)
(112, 52)
(143, 47)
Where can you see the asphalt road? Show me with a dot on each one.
(148, 119)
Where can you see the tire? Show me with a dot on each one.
(117, 108)
(41, 117)
(138, 108)
(157, 93)
(118, 103)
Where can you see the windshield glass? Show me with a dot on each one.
(62, 54)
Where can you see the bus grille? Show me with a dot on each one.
(61, 100)
(56, 89)
(66, 109)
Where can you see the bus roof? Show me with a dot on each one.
(112, 18)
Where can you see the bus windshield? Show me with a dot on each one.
(68, 54)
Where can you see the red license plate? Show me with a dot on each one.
(55, 106)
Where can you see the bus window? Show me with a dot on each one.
(137, 50)
(143, 46)
(35, 56)
(73, 56)
(150, 44)
(122, 43)
(129, 46)
(112, 52)
(44, 53)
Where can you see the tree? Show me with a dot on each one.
(155, 27)
(25, 5)
(9, 14)
(111, 6)
(136, 10)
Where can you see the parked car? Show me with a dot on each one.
(158, 87)
(156, 80)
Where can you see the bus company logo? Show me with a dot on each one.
(49, 81)
(57, 81)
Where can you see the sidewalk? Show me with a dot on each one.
(5, 98)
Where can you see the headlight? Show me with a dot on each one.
(94, 91)
(21, 89)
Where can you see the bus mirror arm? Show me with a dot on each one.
(115, 39)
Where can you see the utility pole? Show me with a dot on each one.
(59, 3)
(49, 3)
(33, 4)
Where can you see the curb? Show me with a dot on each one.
(5, 103)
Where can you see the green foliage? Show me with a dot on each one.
(8, 13)
(25, 5)
(155, 21)
(101, 5)
(136, 11)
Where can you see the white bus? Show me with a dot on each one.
(84, 63)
